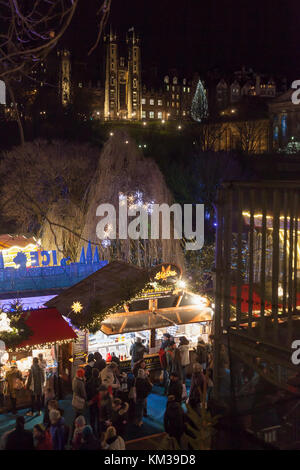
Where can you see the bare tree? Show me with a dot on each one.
(43, 184)
(250, 135)
(29, 31)
(209, 135)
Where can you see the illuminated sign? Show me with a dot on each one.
(29, 256)
(167, 273)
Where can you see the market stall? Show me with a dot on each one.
(50, 336)
(154, 302)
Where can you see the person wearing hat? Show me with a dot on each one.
(14, 383)
(89, 441)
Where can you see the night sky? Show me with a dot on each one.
(193, 35)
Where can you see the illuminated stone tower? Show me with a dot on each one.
(122, 78)
(65, 77)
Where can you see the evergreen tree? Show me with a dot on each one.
(199, 109)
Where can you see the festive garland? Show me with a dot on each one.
(19, 330)
(94, 314)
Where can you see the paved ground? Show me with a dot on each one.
(153, 424)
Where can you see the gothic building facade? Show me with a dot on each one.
(123, 83)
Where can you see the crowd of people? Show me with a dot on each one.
(105, 399)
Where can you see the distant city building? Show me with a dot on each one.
(123, 83)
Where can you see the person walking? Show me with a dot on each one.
(137, 351)
(92, 389)
(143, 388)
(35, 383)
(184, 350)
(14, 384)
(19, 438)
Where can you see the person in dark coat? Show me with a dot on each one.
(175, 387)
(104, 401)
(89, 367)
(143, 388)
(89, 441)
(92, 388)
(198, 385)
(137, 351)
(99, 361)
(174, 419)
(119, 417)
(115, 359)
(35, 384)
(19, 439)
(166, 341)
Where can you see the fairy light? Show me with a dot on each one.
(41, 346)
(76, 307)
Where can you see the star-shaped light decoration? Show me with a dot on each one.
(77, 307)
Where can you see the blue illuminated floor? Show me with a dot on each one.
(151, 425)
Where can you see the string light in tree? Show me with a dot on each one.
(199, 109)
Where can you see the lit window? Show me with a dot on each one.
(159, 102)
(188, 90)
(159, 115)
(177, 96)
(173, 88)
(143, 100)
(151, 114)
(183, 113)
(80, 85)
(184, 89)
(177, 105)
(175, 80)
(173, 104)
(173, 96)
(152, 102)
(168, 88)
(143, 114)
